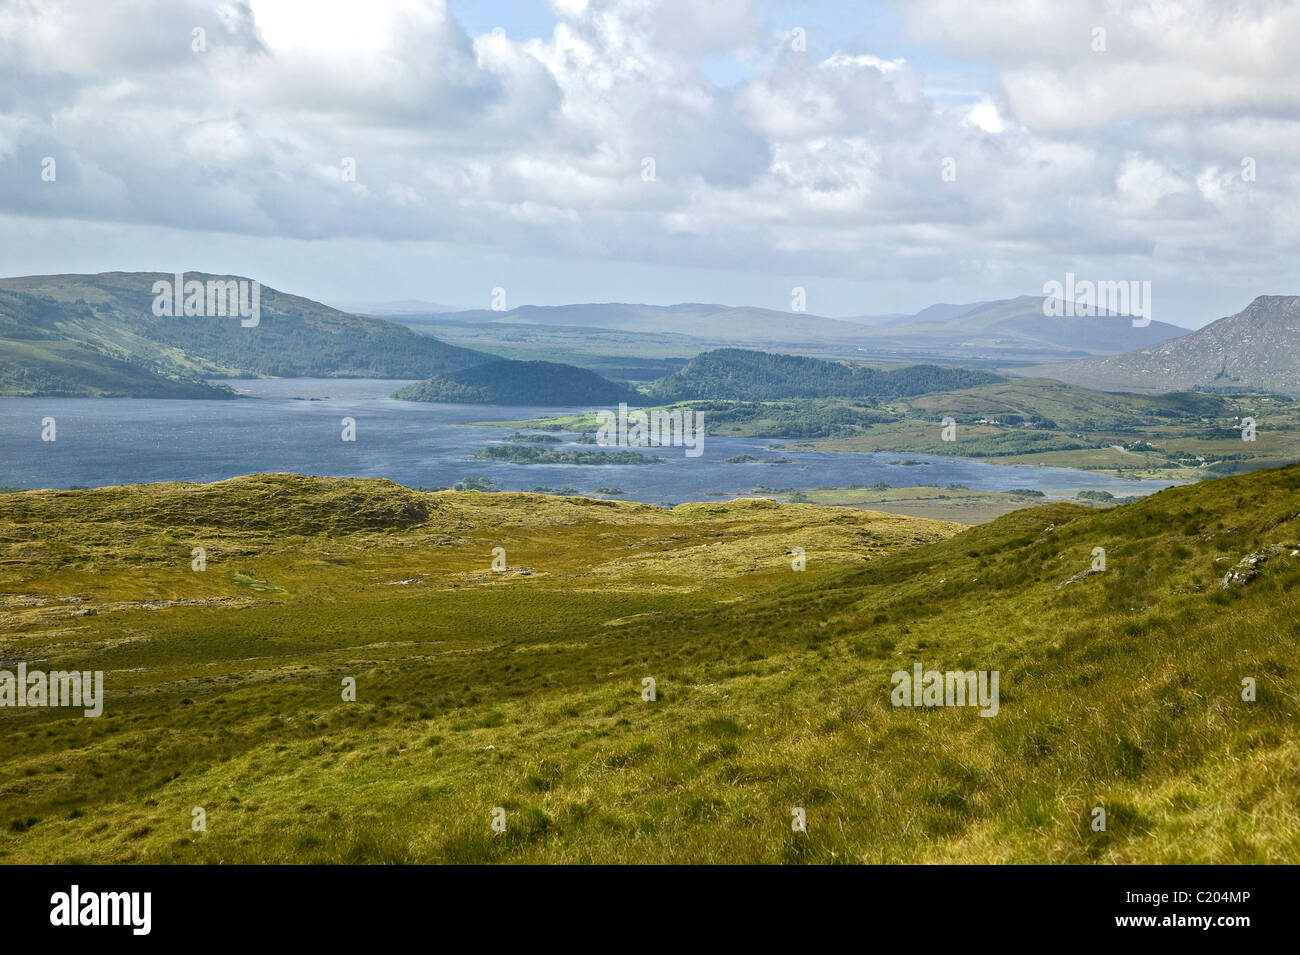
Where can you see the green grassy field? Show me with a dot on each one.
(522, 689)
(959, 504)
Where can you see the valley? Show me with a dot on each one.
(609, 432)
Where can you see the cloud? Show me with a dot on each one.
(1152, 58)
(833, 165)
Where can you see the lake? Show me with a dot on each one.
(294, 425)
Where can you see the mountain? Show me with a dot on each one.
(736, 374)
(94, 335)
(1258, 349)
(941, 312)
(1011, 330)
(507, 382)
(1017, 326)
(720, 322)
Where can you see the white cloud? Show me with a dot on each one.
(984, 114)
(830, 165)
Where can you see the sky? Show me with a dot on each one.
(881, 156)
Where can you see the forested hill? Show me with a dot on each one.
(737, 374)
(506, 382)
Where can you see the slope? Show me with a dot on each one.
(111, 314)
(741, 375)
(1120, 690)
(508, 382)
(1258, 349)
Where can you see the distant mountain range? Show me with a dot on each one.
(1011, 330)
(98, 336)
(938, 313)
(1258, 349)
(747, 324)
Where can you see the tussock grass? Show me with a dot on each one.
(479, 690)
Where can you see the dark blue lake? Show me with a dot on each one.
(129, 441)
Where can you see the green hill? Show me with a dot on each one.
(48, 368)
(737, 374)
(507, 382)
(1053, 404)
(77, 335)
(522, 689)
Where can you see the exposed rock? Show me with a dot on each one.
(1079, 576)
(1247, 569)
(1256, 349)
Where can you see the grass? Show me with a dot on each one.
(959, 504)
(522, 689)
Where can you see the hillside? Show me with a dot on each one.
(49, 368)
(940, 312)
(1258, 349)
(508, 382)
(736, 374)
(1120, 689)
(1046, 403)
(72, 334)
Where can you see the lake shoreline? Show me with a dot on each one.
(353, 428)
